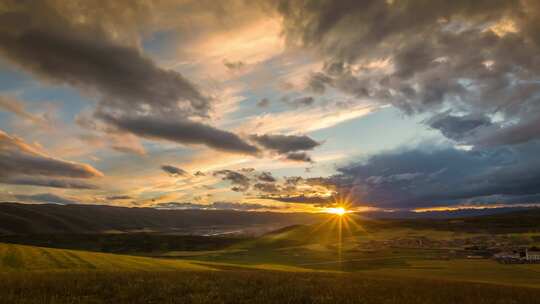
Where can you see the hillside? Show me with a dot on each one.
(18, 218)
(41, 275)
(30, 258)
(516, 221)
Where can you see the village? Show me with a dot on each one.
(502, 248)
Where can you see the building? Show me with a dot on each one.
(520, 256)
(532, 255)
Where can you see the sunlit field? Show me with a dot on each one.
(241, 286)
(336, 261)
(18, 258)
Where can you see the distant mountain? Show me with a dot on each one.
(444, 214)
(511, 221)
(16, 218)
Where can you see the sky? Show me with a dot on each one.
(271, 105)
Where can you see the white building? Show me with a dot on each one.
(532, 255)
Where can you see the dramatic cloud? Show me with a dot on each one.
(478, 60)
(458, 127)
(41, 40)
(285, 143)
(174, 171)
(433, 176)
(181, 131)
(19, 160)
(47, 198)
(47, 182)
(45, 41)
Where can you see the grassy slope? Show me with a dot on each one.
(29, 258)
(43, 275)
(315, 247)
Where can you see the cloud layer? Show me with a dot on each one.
(476, 62)
(443, 176)
(24, 164)
(135, 95)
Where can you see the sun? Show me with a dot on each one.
(337, 211)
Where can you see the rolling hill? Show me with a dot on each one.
(40, 275)
(29, 258)
(18, 218)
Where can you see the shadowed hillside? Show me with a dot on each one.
(47, 218)
(517, 221)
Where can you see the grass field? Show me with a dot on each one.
(236, 286)
(302, 264)
(19, 258)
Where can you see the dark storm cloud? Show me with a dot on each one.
(181, 131)
(48, 182)
(472, 68)
(18, 160)
(426, 177)
(349, 29)
(240, 181)
(174, 171)
(285, 143)
(458, 127)
(48, 198)
(523, 131)
(470, 57)
(299, 157)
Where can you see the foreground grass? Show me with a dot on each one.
(31, 275)
(245, 287)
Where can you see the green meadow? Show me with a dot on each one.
(41, 275)
(357, 262)
(20, 258)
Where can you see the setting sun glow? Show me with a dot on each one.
(337, 211)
